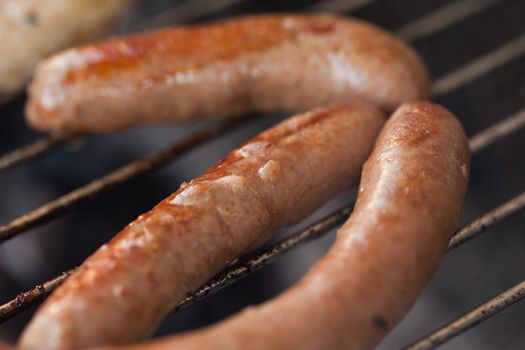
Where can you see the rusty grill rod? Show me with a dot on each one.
(338, 5)
(185, 12)
(443, 17)
(62, 204)
(29, 298)
(494, 216)
(497, 131)
(32, 151)
(478, 67)
(192, 10)
(264, 257)
(470, 319)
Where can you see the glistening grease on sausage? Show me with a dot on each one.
(226, 69)
(409, 200)
(123, 291)
(30, 30)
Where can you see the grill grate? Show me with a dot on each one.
(472, 318)
(418, 29)
(61, 205)
(31, 151)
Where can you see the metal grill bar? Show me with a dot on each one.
(192, 10)
(266, 256)
(32, 151)
(185, 12)
(52, 209)
(480, 66)
(443, 17)
(497, 131)
(27, 299)
(470, 319)
(493, 217)
(339, 6)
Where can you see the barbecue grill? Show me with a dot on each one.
(475, 50)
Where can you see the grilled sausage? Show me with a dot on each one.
(32, 29)
(410, 197)
(123, 291)
(261, 63)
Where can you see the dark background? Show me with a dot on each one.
(469, 275)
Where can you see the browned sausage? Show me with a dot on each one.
(410, 197)
(261, 63)
(123, 291)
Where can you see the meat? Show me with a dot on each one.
(124, 290)
(409, 200)
(32, 29)
(226, 69)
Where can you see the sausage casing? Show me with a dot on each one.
(123, 291)
(226, 69)
(409, 200)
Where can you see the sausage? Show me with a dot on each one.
(124, 290)
(32, 29)
(409, 200)
(258, 63)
